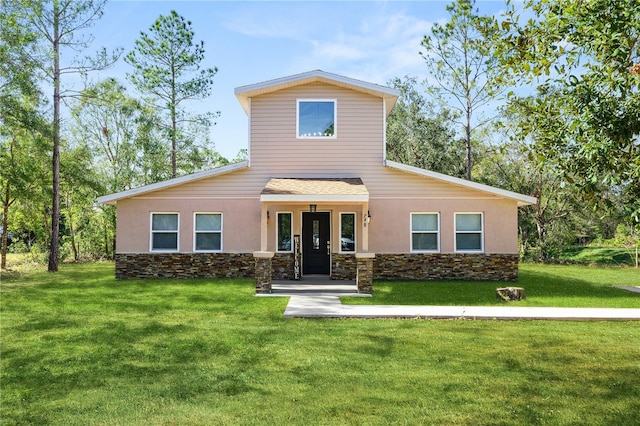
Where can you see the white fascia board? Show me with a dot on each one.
(311, 198)
(523, 200)
(243, 93)
(113, 198)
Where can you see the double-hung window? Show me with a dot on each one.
(316, 118)
(164, 231)
(347, 232)
(208, 232)
(425, 232)
(285, 243)
(469, 232)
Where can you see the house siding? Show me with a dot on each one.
(275, 149)
(356, 151)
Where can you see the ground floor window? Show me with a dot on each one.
(347, 232)
(469, 232)
(208, 232)
(284, 232)
(425, 232)
(164, 231)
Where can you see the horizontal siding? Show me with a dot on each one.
(381, 182)
(359, 130)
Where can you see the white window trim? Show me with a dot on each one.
(335, 118)
(411, 232)
(456, 232)
(208, 232)
(278, 232)
(151, 232)
(355, 233)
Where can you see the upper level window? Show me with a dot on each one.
(208, 232)
(164, 231)
(425, 232)
(316, 118)
(469, 232)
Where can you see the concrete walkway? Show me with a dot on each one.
(322, 300)
(331, 307)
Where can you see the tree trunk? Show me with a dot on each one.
(174, 125)
(468, 144)
(55, 210)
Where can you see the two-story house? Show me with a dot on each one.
(317, 196)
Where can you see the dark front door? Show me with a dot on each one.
(315, 243)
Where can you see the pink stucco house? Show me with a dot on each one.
(317, 197)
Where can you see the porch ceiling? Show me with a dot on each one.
(315, 190)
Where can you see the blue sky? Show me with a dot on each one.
(251, 42)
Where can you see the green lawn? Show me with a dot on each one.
(80, 348)
(613, 256)
(545, 285)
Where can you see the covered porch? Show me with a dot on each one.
(314, 227)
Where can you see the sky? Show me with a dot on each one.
(255, 41)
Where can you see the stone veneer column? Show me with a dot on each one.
(364, 274)
(263, 271)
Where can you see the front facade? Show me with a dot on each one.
(317, 197)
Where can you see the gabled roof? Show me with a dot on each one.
(315, 190)
(113, 198)
(389, 94)
(523, 200)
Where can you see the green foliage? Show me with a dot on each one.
(586, 114)
(417, 135)
(166, 64)
(117, 129)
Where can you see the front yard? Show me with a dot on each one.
(79, 347)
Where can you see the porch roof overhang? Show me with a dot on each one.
(315, 190)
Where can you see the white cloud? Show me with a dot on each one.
(376, 49)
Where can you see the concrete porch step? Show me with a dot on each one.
(314, 286)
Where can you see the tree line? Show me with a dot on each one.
(541, 100)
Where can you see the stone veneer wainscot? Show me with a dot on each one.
(414, 266)
(446, 266)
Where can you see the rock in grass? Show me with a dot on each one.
(509, 294)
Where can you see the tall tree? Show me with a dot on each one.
(59, 24)
(419, 135)
(583, 58)
(460, 62)
(167, 66)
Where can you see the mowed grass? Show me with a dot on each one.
(599, 255)
(80, 348)
(545, 285)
